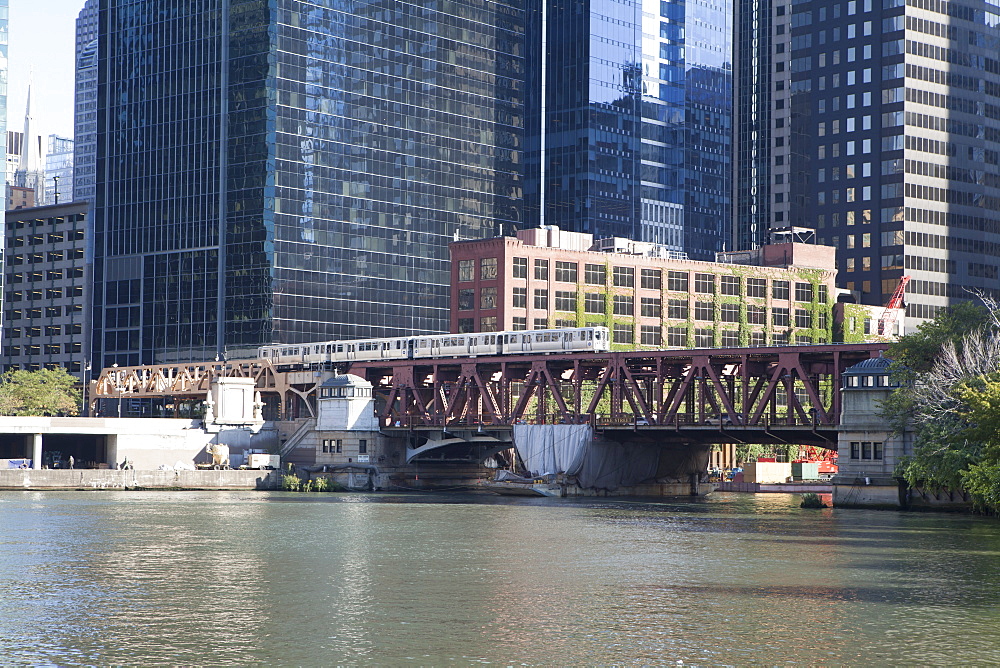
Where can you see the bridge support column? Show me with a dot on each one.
(111, 450)
(36, 451)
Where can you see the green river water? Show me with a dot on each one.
(233, 578)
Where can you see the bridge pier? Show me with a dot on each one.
(36, 451)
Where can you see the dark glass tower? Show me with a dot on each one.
(878, 125)
(293, 171)
(634, 108)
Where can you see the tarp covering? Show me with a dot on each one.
(571, 449)
(552, 448)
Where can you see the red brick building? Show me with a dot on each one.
(545, 278)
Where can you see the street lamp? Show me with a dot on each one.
(55, 180)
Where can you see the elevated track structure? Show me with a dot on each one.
(754, 395)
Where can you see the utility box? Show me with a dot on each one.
(805, 470)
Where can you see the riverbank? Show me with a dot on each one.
(86, 479)
(780, 488)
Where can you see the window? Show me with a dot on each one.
(566, 272)
(52, 348)
(876, 451)
(623, 305)
(466, 325)
(756, 315)
(53, 293)
(465, 269)
(623, 333)
(677, 281)
(594, 274)
(542, 299)
(53, 330)
(650, 307)
(624, 277)
(488, 324)
(520, 269)
(677, 309)
(866, 450)
(651, 335)
(703, 338)
(824, 295)
(75, 328)
(53, 311)
(565, 323)
(466, 299)
(855, 450)
(53, 275)
(541, 270)
(730, 285)
(488, 268)
(779, 289)
(651, 279)
(779, 317)
(337, 446)
(730, 338)
(704, 311)
(757, 287)
(76, 291)
(730, 313)
(803, 292)
(802, 318)
(677, 336)
(520, 298)
(519, 324)
(593, 303)
(757, 339)
(565, 301)
(540, 323)
(704, 283)
(488, 298)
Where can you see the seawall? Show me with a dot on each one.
(137, 479)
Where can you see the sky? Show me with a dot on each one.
(43, 39)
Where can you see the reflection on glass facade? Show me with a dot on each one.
(85, 104)
(293, 171)
(637, 120)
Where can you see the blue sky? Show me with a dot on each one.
(42, 34)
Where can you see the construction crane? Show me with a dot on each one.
(889, 313)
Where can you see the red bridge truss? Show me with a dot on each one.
(794, 386)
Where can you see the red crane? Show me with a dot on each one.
(889, 313)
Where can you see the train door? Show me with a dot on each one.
(410, 347)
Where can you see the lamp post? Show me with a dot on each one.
(55, 188)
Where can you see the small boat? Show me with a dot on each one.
(508, 483)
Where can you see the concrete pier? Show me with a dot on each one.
(94, 479)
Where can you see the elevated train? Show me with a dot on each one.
(578, 339)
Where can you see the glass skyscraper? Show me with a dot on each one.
(632, 109)
(293, 171)
(877, 124)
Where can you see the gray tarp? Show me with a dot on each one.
(571, 449)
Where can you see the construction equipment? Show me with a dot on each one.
(895, 302)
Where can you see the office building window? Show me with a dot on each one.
(623, 334)
(542, 299)
(593, 303)
(488, 268)
(779, 290)
(651, 335)
(519, 324)
(565, 301)
(465, 269)
(730, 313)
(757, 287)
(779, 317)
(566, 272)
(623, 277)
(623, 305)
(730, 285)
(651, 279)
(541, 270)
(704, 283)
(520, 298)
(466, 299)
(488, 298)
(704, 311)
(677, 337)
(488, 324)
(594, 274)
(677, 281)
(520, 268)
(650, 307)
(803, 292)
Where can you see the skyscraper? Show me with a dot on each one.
(4, 4)
(878, 125)
(294, 171)
(85, 104)
(59, 170)
(630, 120)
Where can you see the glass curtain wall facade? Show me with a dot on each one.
(894, 147)
(294, 171)
(85, 104)
(635, 107)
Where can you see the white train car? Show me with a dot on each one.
(580, 339)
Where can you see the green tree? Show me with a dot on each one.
(918, 351)
(43, 392)
(950, 398)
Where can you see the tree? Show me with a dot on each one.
(43, 392)
(951, 400)
(919, 351)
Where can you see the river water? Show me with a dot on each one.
(233, 578)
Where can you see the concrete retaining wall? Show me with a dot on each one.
(138, 479)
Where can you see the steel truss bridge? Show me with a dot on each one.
(778, 394)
